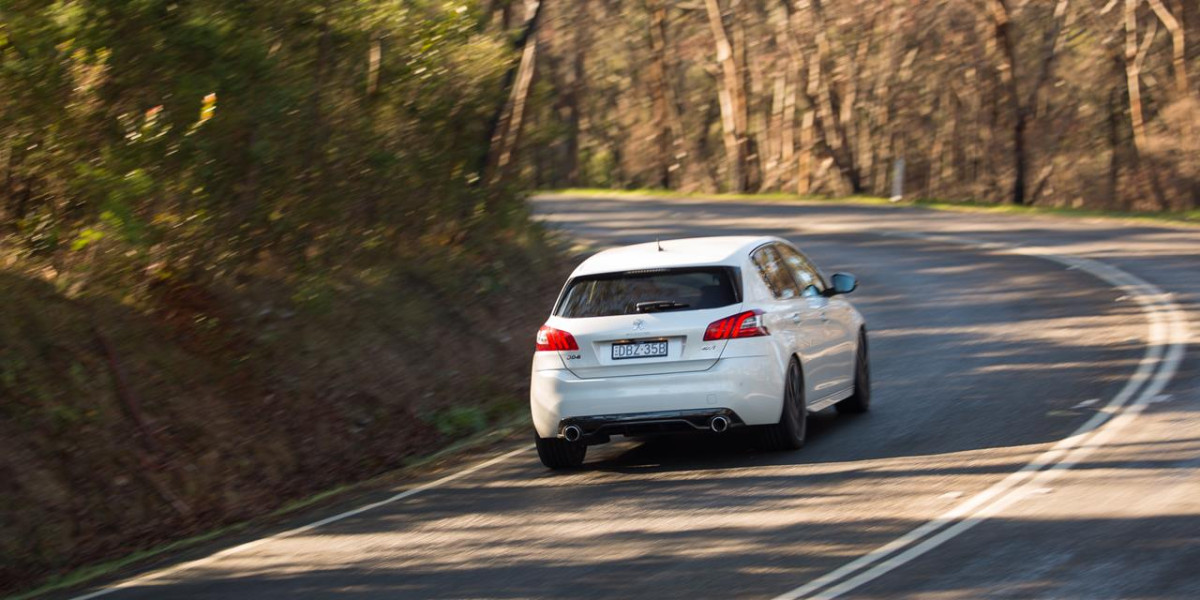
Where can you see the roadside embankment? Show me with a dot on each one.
(126, 425)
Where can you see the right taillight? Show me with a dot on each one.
(741, 325)
(549, 338)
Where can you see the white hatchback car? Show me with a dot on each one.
(702, 334)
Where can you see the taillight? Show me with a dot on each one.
(741, 325)
(549, 338)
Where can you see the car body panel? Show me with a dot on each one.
(746, 385)
(683, 331)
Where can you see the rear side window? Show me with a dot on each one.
(775, 273)
(657, 290)
(806, 274)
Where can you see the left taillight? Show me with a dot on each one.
(549, 338)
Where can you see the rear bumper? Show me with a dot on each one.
(747, 390)
(597, 428)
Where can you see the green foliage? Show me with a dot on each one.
(260, 205)
(203, 138)
(459, 421)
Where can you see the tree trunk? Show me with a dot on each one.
(704, 150)
(374, 57)
(507, 131)
(774, 133)
(881, 127)
(1002, 29)
(804, 166)
(1050, 44)
(824, 98)
(1178, 46)
(575, 92)
(939, 165)
(319, 129)
(1179, 66)
(731, 95)
(1133, 62)
(1115, 110)
(787, 133)
(795, 65)
(666, 106)
(1135, 55)
(1038, 106)
(750, 85)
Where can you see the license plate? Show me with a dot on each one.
(639, 350)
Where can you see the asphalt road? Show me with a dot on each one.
(1035, 433)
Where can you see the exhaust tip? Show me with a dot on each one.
(718, 424)
(572, 433)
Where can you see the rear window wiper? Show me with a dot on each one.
(657, 305)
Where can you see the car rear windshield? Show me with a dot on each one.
(658, 290)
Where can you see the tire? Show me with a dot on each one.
(860, 402)
(560, 454)
(790, 431)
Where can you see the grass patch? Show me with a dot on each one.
(1187, 218)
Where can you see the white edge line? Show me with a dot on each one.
(1167, 335)
(148, 577)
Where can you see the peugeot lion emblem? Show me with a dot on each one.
(639, 325)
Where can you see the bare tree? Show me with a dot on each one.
(999, 100)
(507, 131)
(1002, 29)
(1178, 45)
(731, 94)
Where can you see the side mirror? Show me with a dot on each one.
(843, 283)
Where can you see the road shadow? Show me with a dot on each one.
(649, 562)
(981, 362)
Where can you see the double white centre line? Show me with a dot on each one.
(1167, 338)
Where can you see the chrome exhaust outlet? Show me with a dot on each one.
(718, 424)
(572, 433)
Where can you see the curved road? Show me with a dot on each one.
(1035, 433)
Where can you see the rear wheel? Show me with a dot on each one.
(790, 431)
(558, 453)
(860, 402)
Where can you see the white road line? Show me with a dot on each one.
(303, 529)
(1167, 338)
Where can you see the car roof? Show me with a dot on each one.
(690, 252)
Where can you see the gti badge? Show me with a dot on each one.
(639, 325)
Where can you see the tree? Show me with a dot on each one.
(731, 95)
